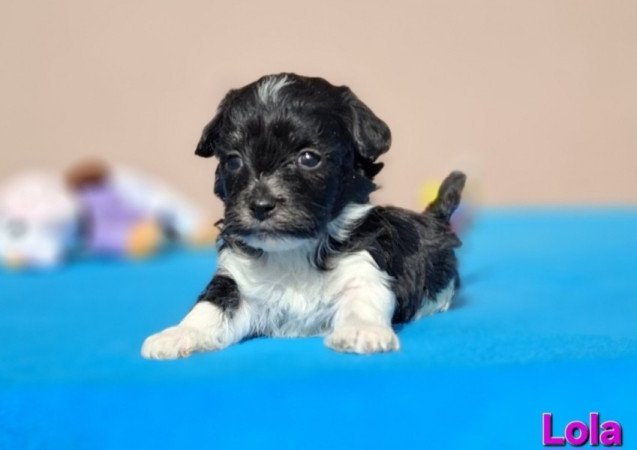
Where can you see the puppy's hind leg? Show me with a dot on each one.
(217, 320)
(362, 322)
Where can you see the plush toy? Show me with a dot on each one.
(94, 210)
(38, 220)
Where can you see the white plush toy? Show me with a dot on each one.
(38, 220)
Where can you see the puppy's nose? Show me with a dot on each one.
(262, 206)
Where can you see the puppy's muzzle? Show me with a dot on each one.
(262, 208)
(262, 204)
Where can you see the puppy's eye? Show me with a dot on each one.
(308, 159)
(233, 163)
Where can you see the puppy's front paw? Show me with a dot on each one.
(363, 338)
(175, 342)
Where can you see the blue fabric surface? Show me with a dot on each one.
(546, 321)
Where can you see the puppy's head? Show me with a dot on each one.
(293, 152)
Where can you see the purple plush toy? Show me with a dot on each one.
(126, 214)
(112, 222)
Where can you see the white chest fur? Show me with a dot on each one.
(285, 295)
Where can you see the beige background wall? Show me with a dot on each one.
(536, 100)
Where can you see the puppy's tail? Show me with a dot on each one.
(448, 196)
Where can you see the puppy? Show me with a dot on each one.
(302, 252)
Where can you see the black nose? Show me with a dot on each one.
(262, 207)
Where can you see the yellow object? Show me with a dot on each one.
(14, 261)
(143, 239)
(428, 192)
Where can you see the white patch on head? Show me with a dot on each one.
(268, 89)
(440, 303)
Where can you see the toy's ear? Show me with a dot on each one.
(371, 135)
(211, 133)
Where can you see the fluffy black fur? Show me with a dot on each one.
(417, 250)
(267, 194)
(223, 292)
(268, 135)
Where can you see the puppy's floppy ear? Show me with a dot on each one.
(211, 132)
(371, 135)
(206, 146)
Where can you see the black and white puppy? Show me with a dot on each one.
(302, 251)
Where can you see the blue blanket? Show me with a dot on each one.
(546, 322)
